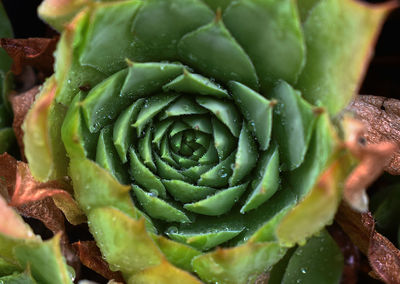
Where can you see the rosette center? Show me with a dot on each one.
(186, 144)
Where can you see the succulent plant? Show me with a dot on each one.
(198, 134)
(7, 137)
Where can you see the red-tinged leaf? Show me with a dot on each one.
(8, 168)
(373, 158)
(28, 190)
(381, 117)
(383, 256)
(21, 103)
(35, 52)
(91, 257)
(42, 138)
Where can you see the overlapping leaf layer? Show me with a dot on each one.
(190, 147)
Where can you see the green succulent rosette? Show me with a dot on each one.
(198, 134)
(7, 137)
(24, 257)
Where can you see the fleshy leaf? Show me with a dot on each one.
(45, 260)
(333, 71)
(117, 234)
(267, 181)
(42, 138)
(309, 262)
(95, 187)
(202, 240)
(293, 125)
(256, 109)
(270, 33)
(237, 265)
(196, 84)
(211, 45)
(165, 273)
(178, 254)
(158, 208)
(219, 203)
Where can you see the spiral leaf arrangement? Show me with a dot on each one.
(190, 146)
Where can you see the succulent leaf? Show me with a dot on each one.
(199, 132)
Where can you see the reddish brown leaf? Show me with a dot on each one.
(381, 117)
(383, 256)
(35, 52)
(373, 158)
(8, 169)
(28, 190)
(91, 257)
(21, 103)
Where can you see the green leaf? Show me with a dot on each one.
(219, 203)
(309, 262)
(224, 111)
(266, 182)
(186, 192)
(333, 69)
(143, 176)
(18, 278)
(119, 235)
(183, 106)
(218, 176)
(144, 79)
(103, 103)
(271, 34)
(158, 208)
(42, 127)
(145, 149)
(294, 121)
(7, 268)
(190, 83)
(45, 261)
(177, 254)
(202, 240)
(99, 50)
(256, 109)
(95, 187)
(164, 273)
(108, 158)
(152, 106)
(156, 37)
(123, 134)
(224, 142)
(237, 265)
(246, 156)
(213, 51)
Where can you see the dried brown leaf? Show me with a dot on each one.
(21, 103)
(373, 158)
(35, 52)
(383, 256)
(381, 117)
(8, 169)
(91, 257)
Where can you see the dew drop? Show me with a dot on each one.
(153, 193)
(172, 230)
(303, 270)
